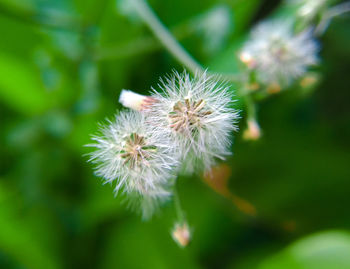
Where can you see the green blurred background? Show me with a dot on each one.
(62, 66)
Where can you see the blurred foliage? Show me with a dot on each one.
(324, 250)
(62, 66)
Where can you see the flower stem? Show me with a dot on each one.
(340, 9)
(142, 45)
(171, 44)
(331, 13)
(251, 108)
(50, 20)
(165, 37)
(178, 209)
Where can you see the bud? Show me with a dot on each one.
(309, 80)
(253, 86)
(253, 131)
(247, 59)
(134, 100)
(273, 88)
(181, 234)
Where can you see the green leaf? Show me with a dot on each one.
(326, 250)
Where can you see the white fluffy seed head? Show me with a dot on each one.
(277, 53)
(130, 153)
(197, 114)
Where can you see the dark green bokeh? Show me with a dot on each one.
(62, 66)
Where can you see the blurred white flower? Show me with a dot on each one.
(197, 114)
(127, 8)
(309, 8)
(129, 152)
(215, 26)
(277, 53)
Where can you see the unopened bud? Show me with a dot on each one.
(309, 80)
(273, 88)
(134, 100)
(253, 131)
(253, 86)
(247, 59)
(181, 234)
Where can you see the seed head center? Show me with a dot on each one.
(279, 50)
(187, 114)
(136, 152)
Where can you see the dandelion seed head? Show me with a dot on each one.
(131, 154)
(277, 54)
(197, 114)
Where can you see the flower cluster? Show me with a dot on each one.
(188, 125)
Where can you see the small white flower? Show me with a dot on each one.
(138, 159)
(309, 8)
(127, 8)
(197, 114)
(215, 26)
(277, 54)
